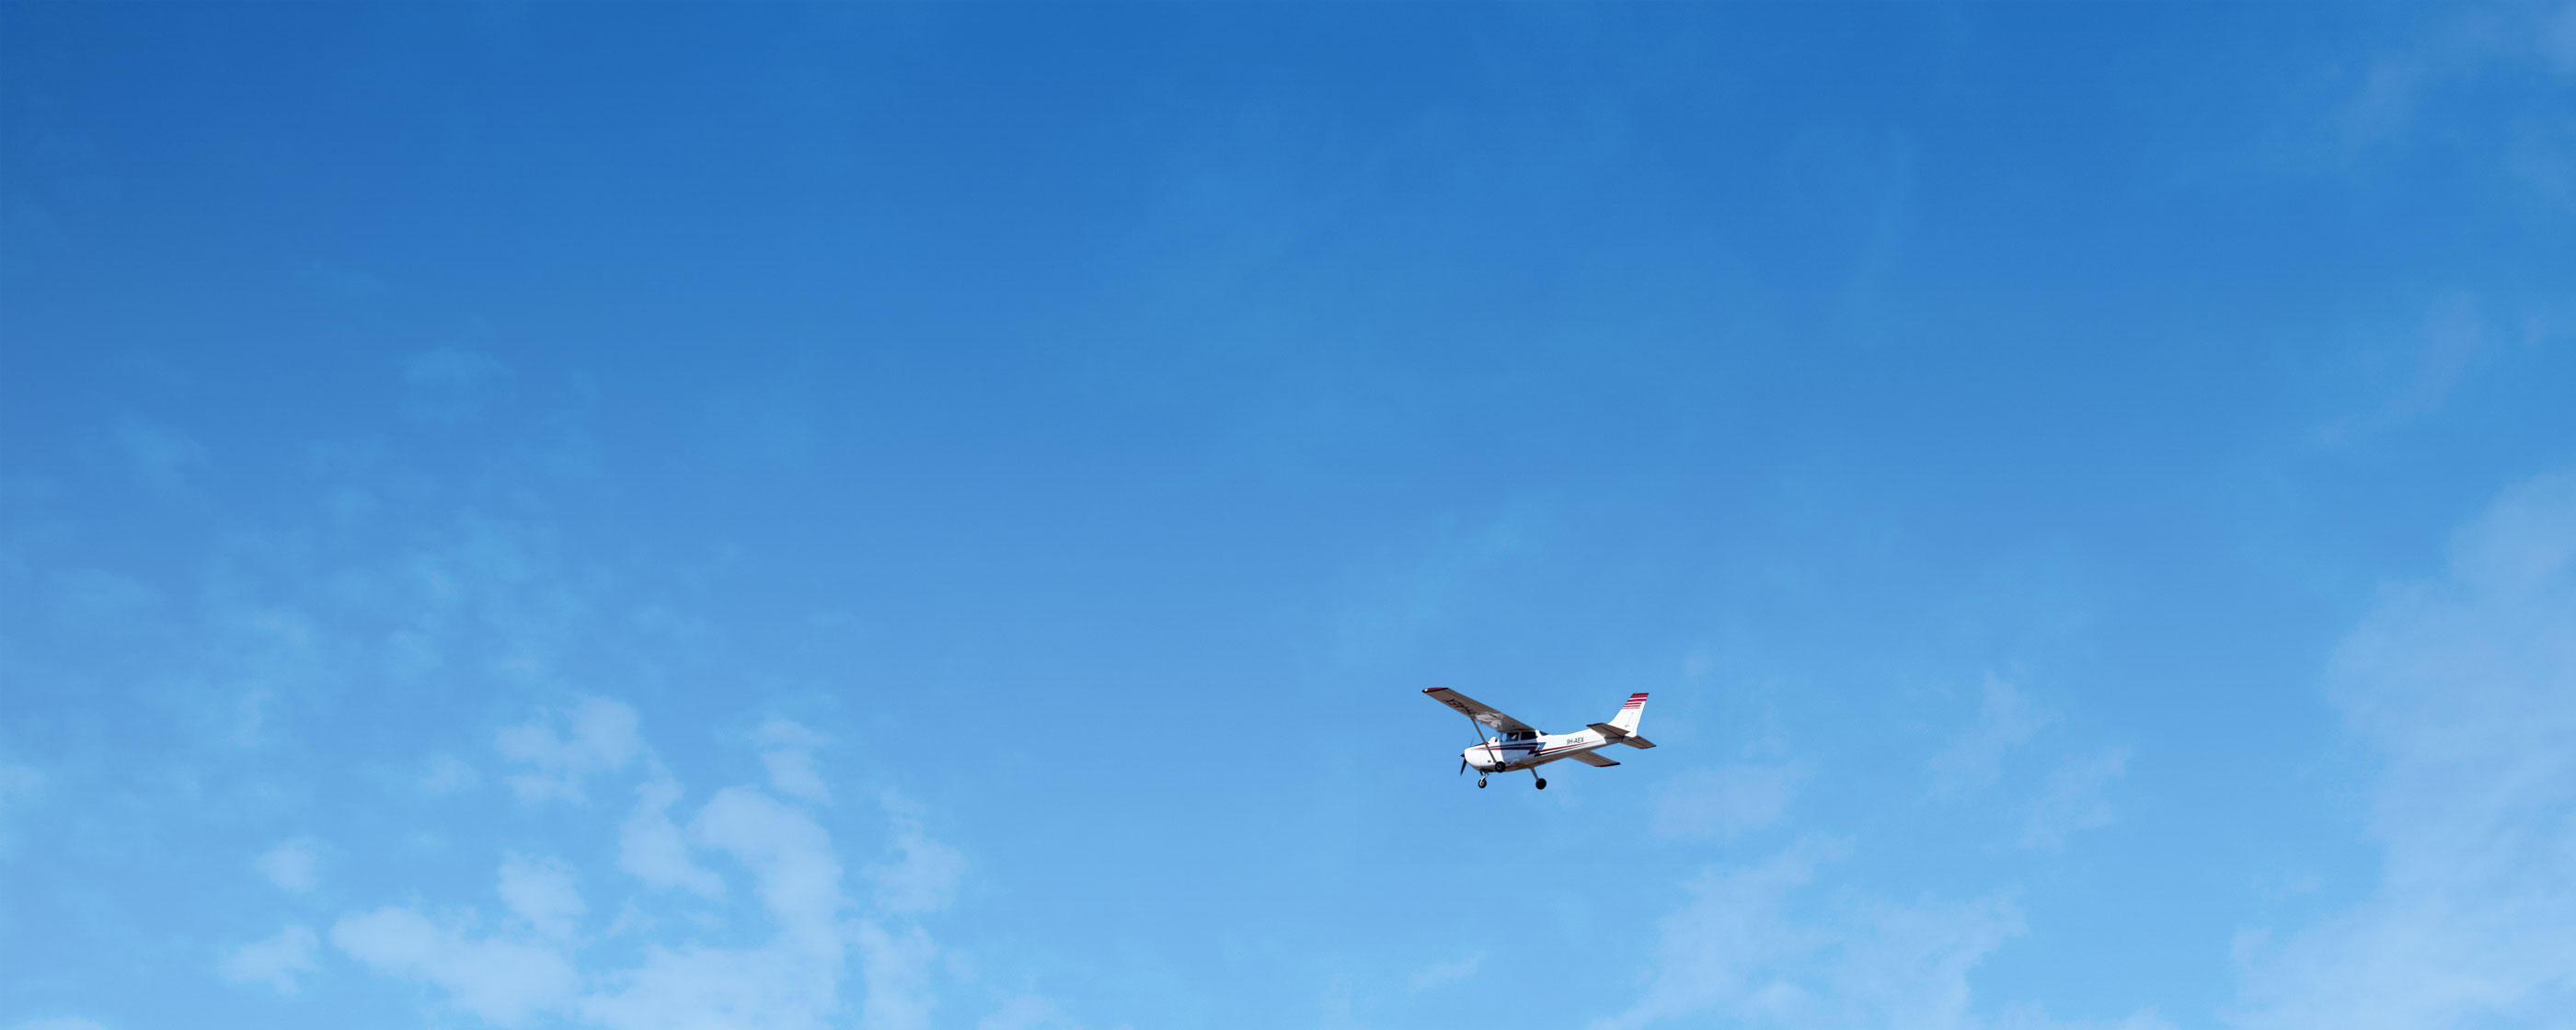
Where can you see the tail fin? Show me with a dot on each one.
(1629, 713)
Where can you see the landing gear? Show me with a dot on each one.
(1480, 783)
(1542, 784)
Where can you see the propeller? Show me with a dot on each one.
(1480, 741)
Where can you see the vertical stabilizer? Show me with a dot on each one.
(1630, 712)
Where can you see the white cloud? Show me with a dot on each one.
(2518, 42)
(277, 961)
(448, 386)
(1723, 802)
(695, 987)
(651, 848)
(2558, 40)
(290, 865)
(2428, 367)
(261, 654)
(161, 459)
(895, 965)
(2455, 341)
(2032, 1017)
(1026, 1013)
(2477, 87)
(495, 979)
(542, 894)
(793, 979)
(2465, 686)
(1907, 965)
(1718, 953)
(1741, 950)
(923, 877)
(602, 740)
(525, 967)
(2005, 720)
(2069, 800)
(2073, 800)
(18, 785)
(1420, 593)
(790, 981)
(793, 865)
(1438, 973)
(18, 782)
(97, 598)
(787, 750)
(344, 283)
(448, 774)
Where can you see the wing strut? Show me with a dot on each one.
(1477, 729)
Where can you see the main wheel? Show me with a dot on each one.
(1542, 784)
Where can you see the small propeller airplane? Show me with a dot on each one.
(1514, 745)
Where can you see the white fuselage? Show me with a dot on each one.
(1509, 753)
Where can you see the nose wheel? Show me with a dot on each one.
(1480, 783)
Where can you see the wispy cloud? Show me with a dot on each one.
(496, 978)
(2454, 342)
(794, 867)
(1723, 802)
(97, 598)
(1740, 950)
(1418, 594)
(1027, 1013)
(19, 785)
(448, 774)
(2394, 86)
(602, 739)
(895, 964)
(2465, 686)
(542, 894)
(1763, 944)
(2024, 1016)
(787, 751)
(449, 385)
(2478, 87)
(1438, 973)
(160, 459)
(536, 959)
(1975, 758)
(291, 865)
(279, 962)
(263, 655)
(2428, 364)
(2073, 799)
(650, 846)
(924, 873)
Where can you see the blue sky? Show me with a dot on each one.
(680, 516)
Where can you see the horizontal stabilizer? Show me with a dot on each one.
(1607, 730)
(1594, 759)
(1636, 741)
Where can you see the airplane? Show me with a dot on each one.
(1516, 746)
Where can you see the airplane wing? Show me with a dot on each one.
(1477, 710)
(1593, 758)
